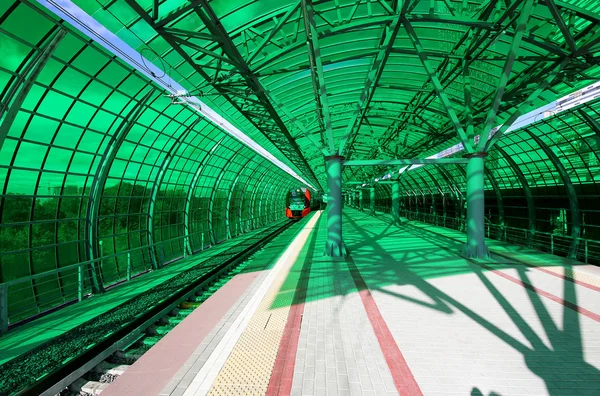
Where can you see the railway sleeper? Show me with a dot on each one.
(111, 368)
(88, 387)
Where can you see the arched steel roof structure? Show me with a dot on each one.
(158, 127)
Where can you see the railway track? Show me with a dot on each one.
(84, 360)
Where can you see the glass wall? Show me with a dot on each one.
(96, 163)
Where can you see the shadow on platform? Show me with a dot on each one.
(418, 255)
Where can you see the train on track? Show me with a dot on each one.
(298, 203)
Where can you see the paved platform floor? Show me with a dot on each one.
(402, 314)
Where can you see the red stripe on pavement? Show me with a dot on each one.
(283, 371)
(405, 382)
(547, 271)
(568, 304)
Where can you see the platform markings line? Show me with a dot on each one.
(209, 372)
(282, 375)
(568, 304)
(575, 307)
(405, 382)
(547, 270)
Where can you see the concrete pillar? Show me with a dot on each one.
(372, 201)
(475, 246)
(396, 203)
(334, 246)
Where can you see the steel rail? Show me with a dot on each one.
(75, 367)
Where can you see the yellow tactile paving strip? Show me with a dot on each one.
(573, 273)
(248, 369)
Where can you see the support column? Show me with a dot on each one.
(361, 193)
(396, 203)
(475, 246)
(372, 201)
(334, 246)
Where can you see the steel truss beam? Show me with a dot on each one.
(504, 77)
(542, 77)
(413, 161)
(516, 113)
(239, 90)
(318, 76)
(476, 44)
(437, 84)
(373, 77)
(564, 29)
(356, 25)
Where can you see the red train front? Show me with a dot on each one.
(297, 203)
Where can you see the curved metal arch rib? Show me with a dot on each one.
(253, 200)
(23, 85)
(571, 194)
(270, 198)
(156, 188)
(227, 222)
(526, 190)
(98, 183)
(490, 175)
(190, 194)
(439, 188)
(211, 230)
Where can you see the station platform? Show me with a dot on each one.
(402, 314)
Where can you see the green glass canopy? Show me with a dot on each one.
(159, 127)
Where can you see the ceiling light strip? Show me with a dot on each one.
(80, 20)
